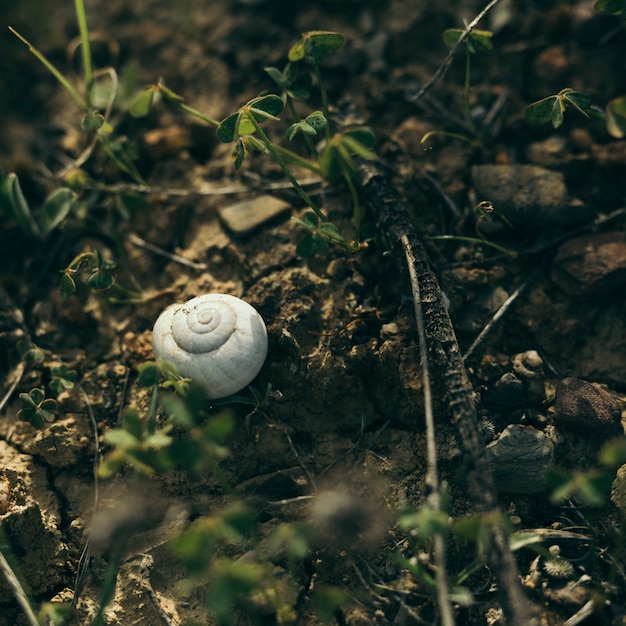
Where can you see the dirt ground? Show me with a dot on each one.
(346, 416)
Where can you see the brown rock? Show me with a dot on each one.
(586, 408)
(591, 264)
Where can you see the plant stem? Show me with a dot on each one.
(322, 86)
(82, 103)
(195, 112)
(466, 91)
(283, 166)
(307, 138)
(296, 159)
(81, 16)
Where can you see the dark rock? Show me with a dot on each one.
(530, 197)
(593, 264)
(583, 407)
(520, 458)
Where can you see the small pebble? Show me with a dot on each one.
(528, 364)
(618, 490)
(519, 459)
(585, 408)
(592, 264)
(388, 330)
(243, 217)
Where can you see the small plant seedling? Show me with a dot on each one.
(62, 378)
(612, 7)
(476, 41)
(244, 128)
(98, 275)
(552, 108)
(37, 410)
(52, 212)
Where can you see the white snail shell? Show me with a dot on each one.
(217, 340)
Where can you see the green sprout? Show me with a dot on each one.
(612, 7)
(52, 212)
(62, 378)
(37, 410)
(98, 275)
(552, 108)
(244, 129)
(476, 41)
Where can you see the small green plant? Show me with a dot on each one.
(97, 273)
(37, 409)
(552, 108)
(332, 158)
(37, 225)
(612, 7)
(62, 378)
(476, 41)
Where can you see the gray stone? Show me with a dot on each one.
(520, 458)
(243, 217)
(593, 264)
(530, 197)
(586, 408)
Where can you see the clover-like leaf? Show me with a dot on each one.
(309, 126)
(55, 209)
(315, 45)
(141, 105)
(310, 245)
(292, 80)
(337, 156)
(477, 40)
(552, 108)
(101, 280)
(240, 123)
(92, 121)
(63, 378)
(38, 410)
(612, 7)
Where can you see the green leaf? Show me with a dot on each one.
(142, 104)
(36, 396)
(310, 245)
(616, 117)
(580, 101)
(120, 438)
(268, 106)
(309, 126)
(541, 111)
(55, 209)
(101, 280)
(178, 411)
(12, 200)
(316, 44)
(47, 409)
(477, 40)
(132, 423)
(92, 121)
(67, 286)
(149, 374)
(239, 123)
(613, 7)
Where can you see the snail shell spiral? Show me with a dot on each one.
(217, 340)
